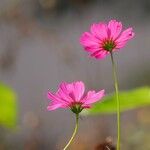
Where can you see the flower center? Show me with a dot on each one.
(76, 108)
(109, 45)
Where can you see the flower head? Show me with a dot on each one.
(71, 95)
(105, 38)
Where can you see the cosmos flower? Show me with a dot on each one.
(105, 38)
(71, 95)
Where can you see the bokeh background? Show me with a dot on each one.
(39, 48)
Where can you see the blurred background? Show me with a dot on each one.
(39, 48)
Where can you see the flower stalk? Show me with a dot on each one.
(74, 133)
(117, 99)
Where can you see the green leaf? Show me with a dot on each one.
(8, 107)
(128, 100)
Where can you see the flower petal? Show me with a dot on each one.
(64, 91)
(53, 97)
(93, 97)
(115, 28)
(53, 107)
(56, 99)
(100, 54)
(78, 90)
(125, 36)
(92, 49)
(100, 30)
(89, 41)
(120, 44)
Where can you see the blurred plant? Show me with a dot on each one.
(131, 99)
(137, 138)
(60, 7)
(105, 39)
(7, 59)
(106, 145)
(8, 107)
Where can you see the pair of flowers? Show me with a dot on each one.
(102, 40)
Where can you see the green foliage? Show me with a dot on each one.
(128, 100)
(8, 107)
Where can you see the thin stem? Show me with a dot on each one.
(107, 147)
(118, 102)
(74, 133)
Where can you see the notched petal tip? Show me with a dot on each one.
(131, 33)
(115, 21)
(80, 83)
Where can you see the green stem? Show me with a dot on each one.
(118, 102)
(74, 133)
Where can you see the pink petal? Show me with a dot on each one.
(99, 30)
(120, 45)
(100, 54)
(78, 90)
(115, 28)
(93, 97)
(71, 92)
(69, 87)
(126, 35)
(53, 107)
(55, 98)
(52, 96)
(89, 41)
(92, 49)
(88, 38)
(64, 91)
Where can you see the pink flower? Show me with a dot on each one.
(71, 95)
(105, 38)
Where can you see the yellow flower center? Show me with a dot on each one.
(109, 45)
